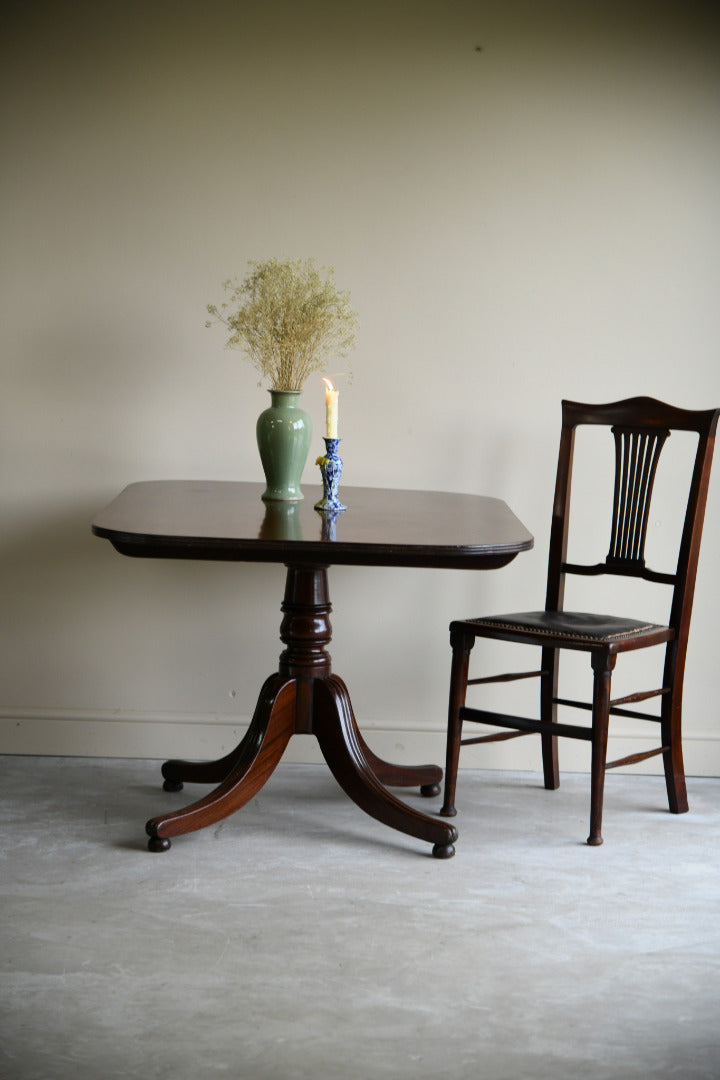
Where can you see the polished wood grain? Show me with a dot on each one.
(229, 521)
(189, 519)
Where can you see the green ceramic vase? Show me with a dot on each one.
(284, 432)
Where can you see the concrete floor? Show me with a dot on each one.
(302, 939)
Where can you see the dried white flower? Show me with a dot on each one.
(288, 319)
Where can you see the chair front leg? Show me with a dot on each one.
(462, 644)
(548, 714)
(602, 665)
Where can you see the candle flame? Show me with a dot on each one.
(328, 383)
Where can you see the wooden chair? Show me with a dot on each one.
(640, 427)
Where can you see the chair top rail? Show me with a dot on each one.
(641, 412)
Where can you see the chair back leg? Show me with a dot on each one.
(671, 726)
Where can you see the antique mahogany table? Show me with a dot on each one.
(179, 519)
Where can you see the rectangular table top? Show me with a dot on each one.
(206, 519)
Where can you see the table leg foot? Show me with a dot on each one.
(426, 777)
(344, 750)
(429, 791)
(263, 746)
(157, 843)
(443, 851)
(177, 773)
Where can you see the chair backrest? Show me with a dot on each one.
(640, 427)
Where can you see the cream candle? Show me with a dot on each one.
(331, 410)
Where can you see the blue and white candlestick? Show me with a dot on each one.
(331, 467)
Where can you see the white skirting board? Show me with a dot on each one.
(163, 736)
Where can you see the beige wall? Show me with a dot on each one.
(535, 220)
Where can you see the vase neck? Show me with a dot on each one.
(288, 398)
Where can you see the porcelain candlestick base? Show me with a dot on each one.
(331, 467)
